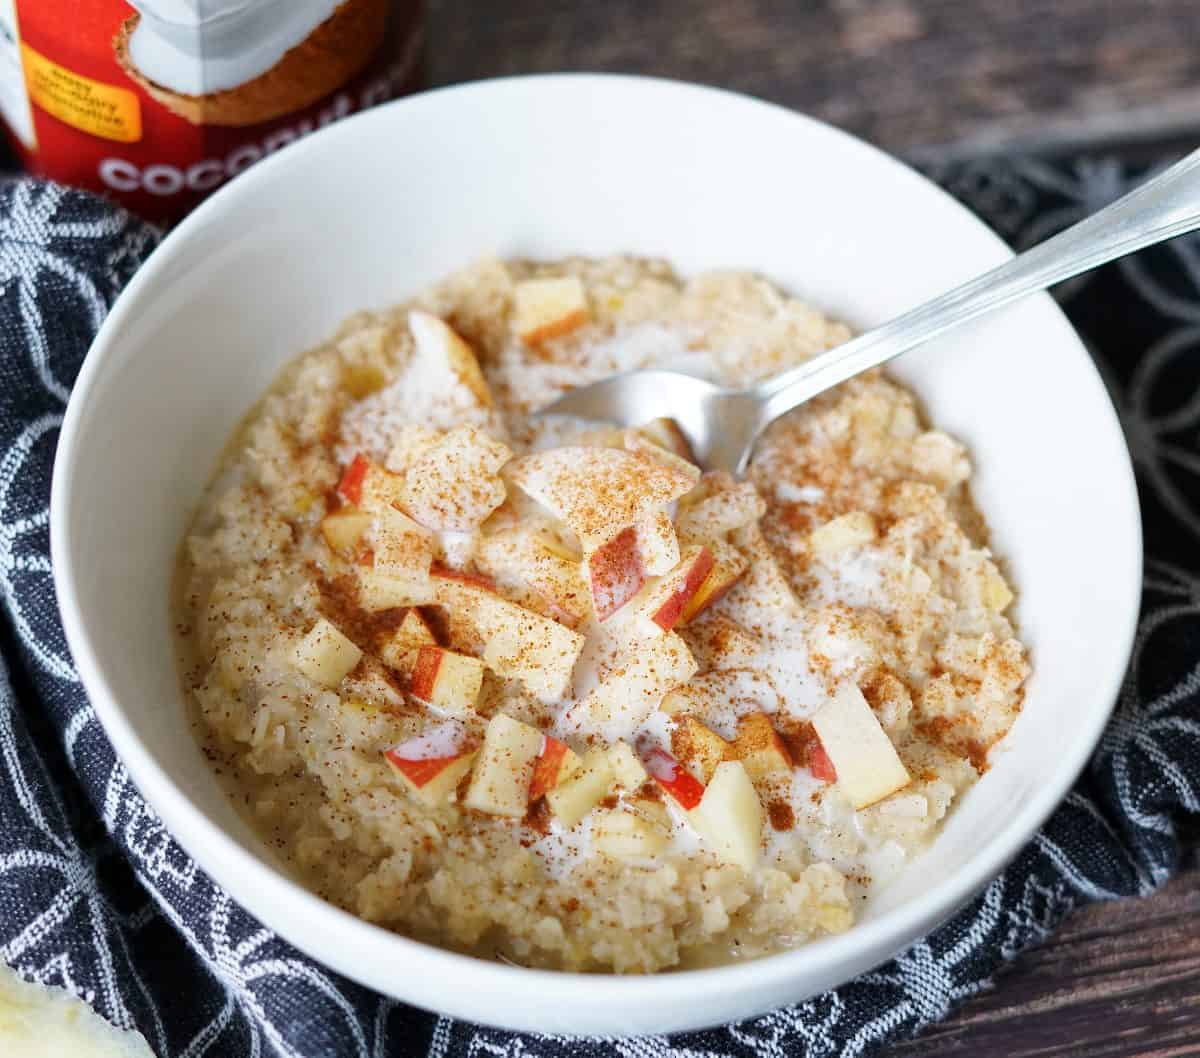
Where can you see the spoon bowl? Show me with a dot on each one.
(720, 424)
(723, 424)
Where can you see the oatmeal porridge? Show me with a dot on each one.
(541, 689)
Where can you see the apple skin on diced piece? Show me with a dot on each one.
(548, 308)
(555, 763)
(400, 651)
(325, 655)
(674, 778)
(867, 766)
(447, 681)
(728, 566)
(439, 346)
(729, 817)
(344, 529)
(820, 765)
(697, 747)
(575, 797)
(665, 600)
(759, 748)
(518, 643)
(624, 835)
(615, 573)
(432, 764)
(349, 487)
(504, 768)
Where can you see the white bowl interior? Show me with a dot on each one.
(372, 210)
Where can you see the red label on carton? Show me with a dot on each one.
(156, 103)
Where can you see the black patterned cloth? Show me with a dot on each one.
(95, 896)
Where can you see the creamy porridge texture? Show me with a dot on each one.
(541, 689)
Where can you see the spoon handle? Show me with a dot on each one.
(1161, 208)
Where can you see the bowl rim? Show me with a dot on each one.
(220, 855)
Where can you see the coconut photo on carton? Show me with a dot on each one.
(233, 62)
(157, 103)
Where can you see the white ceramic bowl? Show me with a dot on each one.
(374, 208)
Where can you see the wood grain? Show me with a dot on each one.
(917, 76)
(1116, 981)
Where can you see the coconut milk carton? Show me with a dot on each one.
(157, 103)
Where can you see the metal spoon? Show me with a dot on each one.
(724, 424)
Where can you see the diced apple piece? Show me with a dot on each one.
(626, 836)
(548, 308)
(432, 764)
(867, 765)
(728, 566)
(570, 801)
(400, 652)
(856, 529)
(380, 590)
(697, 747)
(615, 573)
(657, 542)
(518, 643)
(996, 593)
(504, 770)
(666, 434)
(556, 763)
(349, 487)
(634, 689)
(446, 680)
(344, 529)
(759, 748)
(638, 442)
(764, 586)
(411, 441)
(674, 778)
(535, 562)
(627, 770)
(726, 505)
(597, 492)
(730, 817)
(721, 643)
(652, 811)
(440, 347)
(708, 696)
(663, 602)
(455, 484)
(326, 656)
(380, 490)
(403, 549)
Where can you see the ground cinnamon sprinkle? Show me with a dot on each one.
(876, 614)
(799, 737)
(781, 815)
(538, 816)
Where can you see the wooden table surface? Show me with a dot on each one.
(933, 78)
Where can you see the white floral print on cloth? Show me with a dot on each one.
(95, 895)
